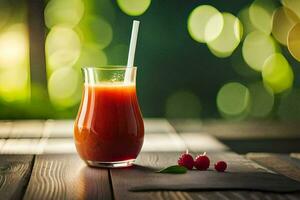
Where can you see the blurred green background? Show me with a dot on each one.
(236, 60)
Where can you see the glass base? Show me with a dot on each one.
(116, 164)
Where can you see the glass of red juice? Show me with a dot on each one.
(109, 128)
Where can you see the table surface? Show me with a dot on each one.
(38, 159)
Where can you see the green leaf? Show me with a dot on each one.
(175, 169)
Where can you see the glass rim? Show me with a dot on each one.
(110, 67)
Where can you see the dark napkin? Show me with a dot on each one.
(211, 180)
(242, 174)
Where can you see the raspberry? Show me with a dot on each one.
(221, 166)
(202, 162)
(186, 160)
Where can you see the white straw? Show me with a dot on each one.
(134, 34)
(131, 53)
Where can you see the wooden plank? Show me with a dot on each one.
(2, 142)
(21, 146)
(161, 136)
(67, 177)
(37, 146)
(15, 172)
(59, 146)
(240, 130)
(58, 128)
(280, 163)
(27, 129)
(153, 142)
(295, 155)
(220, 129)
(277, 145)
(5, 129)
(158, 142)
(187, 125)
(201, 142)
(252, 129)
(124, 179)
(158, 125)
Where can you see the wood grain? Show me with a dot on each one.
(124, 179)
(14, 175)
(67, 177)
(280, 163)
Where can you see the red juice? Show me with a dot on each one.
(109, 125)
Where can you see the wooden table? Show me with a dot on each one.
(38, 158)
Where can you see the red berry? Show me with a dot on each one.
(202, 162)
(221, 166)
(186, 160)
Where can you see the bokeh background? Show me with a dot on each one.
(235, 60)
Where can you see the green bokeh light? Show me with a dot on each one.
(14, 84)
(257, 47)
(233, 100)
(104, 8)
(261, 13)
(248, 27)
(283, 21)
(62, 47)
(91, 56)
(293, 5)
(134, 7)
(63, 12)
(14, 63)
(214, 27)
(294, 41)
(262, 100)
(199, 26)
(96, 30)
(229, 38)
(240, 66)
(64, 87)
(277, 73)
(88, 47)
(13, 46)
(183, 104)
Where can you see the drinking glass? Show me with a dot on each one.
(109, 128)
